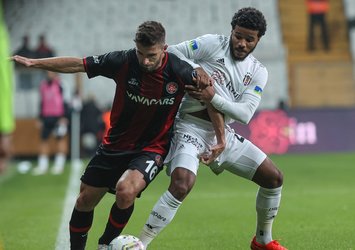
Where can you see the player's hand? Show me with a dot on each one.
(22, 60)
(202, 80)
(204, 95)
(216, 150)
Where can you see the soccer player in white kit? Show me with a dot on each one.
(239, 80)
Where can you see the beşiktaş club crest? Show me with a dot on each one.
(171, 87)
(247, 79)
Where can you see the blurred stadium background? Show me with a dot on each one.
(298, 79)
(307, 107)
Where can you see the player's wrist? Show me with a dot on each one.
(216, 100)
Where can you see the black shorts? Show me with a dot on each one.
(104, 170)
(49, 125)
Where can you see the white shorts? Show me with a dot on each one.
(193, 137)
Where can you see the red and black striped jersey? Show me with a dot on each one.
(145, 103)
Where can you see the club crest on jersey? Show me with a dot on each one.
(158, 160)
(247, 79)
(193, 45)
(171, 88)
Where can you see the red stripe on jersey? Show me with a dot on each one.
(159, 143)
(85, 64)
(143, 115)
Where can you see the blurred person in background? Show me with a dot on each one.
(43, 50)
(239, 80)
(92, 126)
(7, 120)
(150, 84)
(317, 11)
(26, 78)
(52, 121)
(25, 49)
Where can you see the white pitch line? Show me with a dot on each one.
(62, 242)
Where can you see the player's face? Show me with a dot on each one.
(243, 41)
(150, 57)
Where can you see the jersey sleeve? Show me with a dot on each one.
(258, 83)
(200, 48)
(244, 109)
(106, 65)
(183, 69)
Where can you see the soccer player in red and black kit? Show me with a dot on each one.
(150, 86)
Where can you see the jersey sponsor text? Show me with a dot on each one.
(149, 102)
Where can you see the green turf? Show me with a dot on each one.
(317, 210)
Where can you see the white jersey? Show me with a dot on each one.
(238, 84)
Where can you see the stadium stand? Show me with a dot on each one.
(298, 78)
(318, 79)
(86, 28)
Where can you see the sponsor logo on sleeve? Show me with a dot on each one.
(96, 59)
(258, 90)
(193, 45)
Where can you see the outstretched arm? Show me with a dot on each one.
(56, 64)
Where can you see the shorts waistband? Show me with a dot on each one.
(196, 120)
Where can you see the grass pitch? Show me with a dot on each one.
(317, 208)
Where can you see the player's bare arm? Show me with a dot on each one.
(56, 64)
(202, 79)
(217, 120)
(216, 117)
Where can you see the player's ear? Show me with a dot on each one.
(165, 47)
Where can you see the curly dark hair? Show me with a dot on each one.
(150, 33)
(250, 18)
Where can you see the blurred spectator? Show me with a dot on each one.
(317, 10)
(25, 77)
(106, 116)
(7, 123)
(92, 126)
(53, 120)
(43, 50)
(283, 105)
(24, 50)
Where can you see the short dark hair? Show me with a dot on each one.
(150, 33)
(250, 18)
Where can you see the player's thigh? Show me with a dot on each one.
(148, 166)
(241, 157)
(130, 184)
(184, 152)
(103, 171)
(89, 196)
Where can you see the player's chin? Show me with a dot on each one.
(147, 69)
(240, 55)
